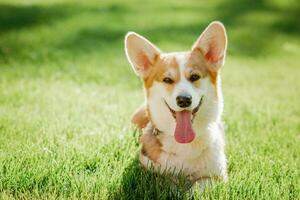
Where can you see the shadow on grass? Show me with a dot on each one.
(15, 17)
(93, 39)
(138, 183)
(252, 27)
(231, 12)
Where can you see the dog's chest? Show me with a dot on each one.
(191, 159)
(187, 152)
(200, 158)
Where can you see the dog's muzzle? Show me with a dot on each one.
(194, 111)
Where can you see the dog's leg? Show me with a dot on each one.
(140, 117)
(204, 183)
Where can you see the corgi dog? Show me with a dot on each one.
(181, 117)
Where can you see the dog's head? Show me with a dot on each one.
(176, 83)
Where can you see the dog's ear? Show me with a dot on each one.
(140, 53)
(212, 43)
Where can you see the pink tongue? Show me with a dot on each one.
(184, 132)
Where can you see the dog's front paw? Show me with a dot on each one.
(203, 184)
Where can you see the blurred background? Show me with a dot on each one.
(67, 91)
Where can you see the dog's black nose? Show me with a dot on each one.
(184, 101)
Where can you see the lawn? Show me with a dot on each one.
(67, 91)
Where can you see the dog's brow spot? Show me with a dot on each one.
(170, 72)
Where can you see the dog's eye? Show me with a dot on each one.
(168, 80)
(194, 77)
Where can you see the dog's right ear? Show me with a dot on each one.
(140, 53)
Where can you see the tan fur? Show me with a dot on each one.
(140, 117)
(158, 71)
(151, 146)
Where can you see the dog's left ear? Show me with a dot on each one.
(141, 53)
(212, 43)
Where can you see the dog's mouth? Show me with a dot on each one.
(194, 111)
(184, 132)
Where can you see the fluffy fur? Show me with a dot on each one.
(202, 159)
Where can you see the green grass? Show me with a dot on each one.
(67, 91)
